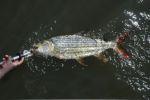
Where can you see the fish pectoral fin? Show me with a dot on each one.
(102, 57)
(81, 61)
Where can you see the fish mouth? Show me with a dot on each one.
(44, 48)
(35, 48)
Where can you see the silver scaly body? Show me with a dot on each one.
(73, 47)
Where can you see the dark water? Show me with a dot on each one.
(22, 22)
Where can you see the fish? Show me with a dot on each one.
(77, 47)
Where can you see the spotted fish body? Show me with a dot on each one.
(73, 47)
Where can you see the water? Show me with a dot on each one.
(28, 22)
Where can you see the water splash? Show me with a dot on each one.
(140, 1)
(131, 71)
(41, 65)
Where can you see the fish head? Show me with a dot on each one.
(45, 48)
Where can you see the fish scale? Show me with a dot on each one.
(73, 47)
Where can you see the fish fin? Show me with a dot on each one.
(81, 61)
(122, 52)
(102, 57)
(120, 39)
(119, 47)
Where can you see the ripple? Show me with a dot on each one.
(131, 70)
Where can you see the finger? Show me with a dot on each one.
(18, 62)
(4, 59)
(21, 61)
(6, 56)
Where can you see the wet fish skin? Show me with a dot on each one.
(73, 47)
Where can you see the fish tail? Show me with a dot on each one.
(119, 47)
(121, 39)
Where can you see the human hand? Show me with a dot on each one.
(7, 63)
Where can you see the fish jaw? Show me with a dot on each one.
(46, 48)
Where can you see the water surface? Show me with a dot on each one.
(24, 22)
